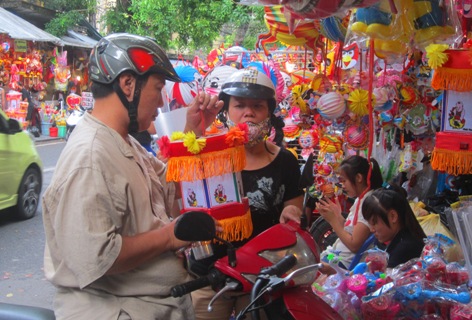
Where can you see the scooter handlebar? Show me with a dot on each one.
(213, 278)
(281, 267)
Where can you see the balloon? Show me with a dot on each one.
(5, 46)
(333, 28)
(215, 57)
(188, 73)
(73, 101)
(181, 93)
(287, 83)
(316, 9)
(237, 57)
(215, 78)
(302, 76)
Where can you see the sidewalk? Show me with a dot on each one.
(45, 139)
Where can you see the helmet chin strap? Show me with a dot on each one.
(131, 106)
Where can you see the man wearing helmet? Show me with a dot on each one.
(109, 236)
(270, 178)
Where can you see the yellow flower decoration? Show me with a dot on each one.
(177, 135)
(436, 56)
(193, 144)
(359, 102)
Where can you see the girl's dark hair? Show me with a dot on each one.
(381, 201)
(275, 122)
(357, 164)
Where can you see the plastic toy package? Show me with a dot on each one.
(397, 26)
(428, 287)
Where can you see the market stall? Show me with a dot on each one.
(389, 80)
(23, 48)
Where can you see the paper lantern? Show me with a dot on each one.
(331, 105)
(356, 135)
(208, 170)
(382, 100)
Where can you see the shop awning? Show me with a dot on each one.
(18, 28)
(75, 39)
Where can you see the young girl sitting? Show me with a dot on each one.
(393, 223)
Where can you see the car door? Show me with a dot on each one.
(7, 163)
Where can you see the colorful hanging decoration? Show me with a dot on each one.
(331, 105)
(207, 170)
(306, 33)
(452, 153)
(454, 74)
(358, 102)
(356, 135)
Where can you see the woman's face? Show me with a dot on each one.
(381, 231)
(241, 110)
(348, 187)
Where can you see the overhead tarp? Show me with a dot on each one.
(18, 28)
(75, 39)
(68, 41)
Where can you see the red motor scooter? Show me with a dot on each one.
(257, 268)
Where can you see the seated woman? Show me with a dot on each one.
(394, 224)
(353, 230)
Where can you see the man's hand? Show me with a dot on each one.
(290, 213)
(174, 243)
(202, 112)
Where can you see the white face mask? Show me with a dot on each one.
(257, 132)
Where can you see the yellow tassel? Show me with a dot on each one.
(452, 79)
(452, 162)
(236, 228)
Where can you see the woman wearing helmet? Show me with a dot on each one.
(270, 179)
(109, 237)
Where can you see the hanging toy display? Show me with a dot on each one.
(383, 99)
(61, 71)
(356, 135)
(417, 120)
(308, 140)
(358, 102)
(306, 33)
(331, 105)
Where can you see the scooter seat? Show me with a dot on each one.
(20, 312)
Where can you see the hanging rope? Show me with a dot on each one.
(371, 125)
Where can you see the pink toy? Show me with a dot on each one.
(358, 284)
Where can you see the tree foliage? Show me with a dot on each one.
(176, 24)
(69, 5)
(188, 24)
(62, 22)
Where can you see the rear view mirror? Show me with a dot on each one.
(195, 226)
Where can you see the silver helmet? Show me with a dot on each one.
(121, 52)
